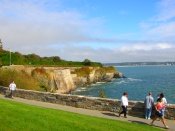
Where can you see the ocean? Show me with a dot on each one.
(140, 80)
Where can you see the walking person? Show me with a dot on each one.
(12, 88)
(124, 104)
(158, 112)
(149, 102)
(164, 102)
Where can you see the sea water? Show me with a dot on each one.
(140, 80)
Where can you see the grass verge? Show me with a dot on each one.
(16, 116)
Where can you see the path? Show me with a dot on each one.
(102, 114)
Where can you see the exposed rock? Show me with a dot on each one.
(119, 75)
(64, 80)
(59, 81)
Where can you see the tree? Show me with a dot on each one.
(1, 47)
(56, 59)
(87, 62)
(102, 93)
(0, 62)
(33, 56)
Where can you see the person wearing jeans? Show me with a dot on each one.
(149, 102)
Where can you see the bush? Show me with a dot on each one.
(83, 72)
(21, 78)
(87, 62)
(42, 77)
(102, 93)
(0, 63)
(109, 69)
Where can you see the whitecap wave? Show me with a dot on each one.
(95, 84)
(133, 79)
(127, 80)
(98, 83)
(83, 88)
(101, 82)
(78, 90)
(122, 82)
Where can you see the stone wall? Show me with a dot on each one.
(135, 108)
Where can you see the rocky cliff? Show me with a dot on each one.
(66, 79)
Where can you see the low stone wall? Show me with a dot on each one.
(135, 108)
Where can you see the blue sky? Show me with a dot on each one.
(100, 30)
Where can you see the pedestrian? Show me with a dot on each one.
(12, 88)
(164, 102)
(158, 112)
(124, 104)
(149, 103)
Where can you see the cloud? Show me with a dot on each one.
(29, 25)
(40, 27)
(165, 30)
(132, 53)
(162, 25)
(146, 47)
(166, 10)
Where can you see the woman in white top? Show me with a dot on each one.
(124, 104)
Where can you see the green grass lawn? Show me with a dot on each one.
(20, 117)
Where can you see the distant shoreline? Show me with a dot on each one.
(139, 65)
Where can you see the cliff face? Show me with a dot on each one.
(54, 80)
(64, 80)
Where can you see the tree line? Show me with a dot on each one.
(16, 58)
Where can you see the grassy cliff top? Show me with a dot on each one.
(16, 58)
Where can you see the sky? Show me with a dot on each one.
(107, 31)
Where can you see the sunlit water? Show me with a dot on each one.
(140, 80)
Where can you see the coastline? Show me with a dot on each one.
(141, 65)
(140, 80)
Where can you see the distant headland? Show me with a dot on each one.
(140, 64)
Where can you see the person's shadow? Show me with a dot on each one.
(109, 114)
(140, 122)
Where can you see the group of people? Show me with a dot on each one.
(159, 107)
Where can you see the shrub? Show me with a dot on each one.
(109, 69)
(102, 93)
(0, 63)
(42, 77)
(21, 78)
(83, 72)
(87, 62)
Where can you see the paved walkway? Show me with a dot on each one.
(101, 114)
